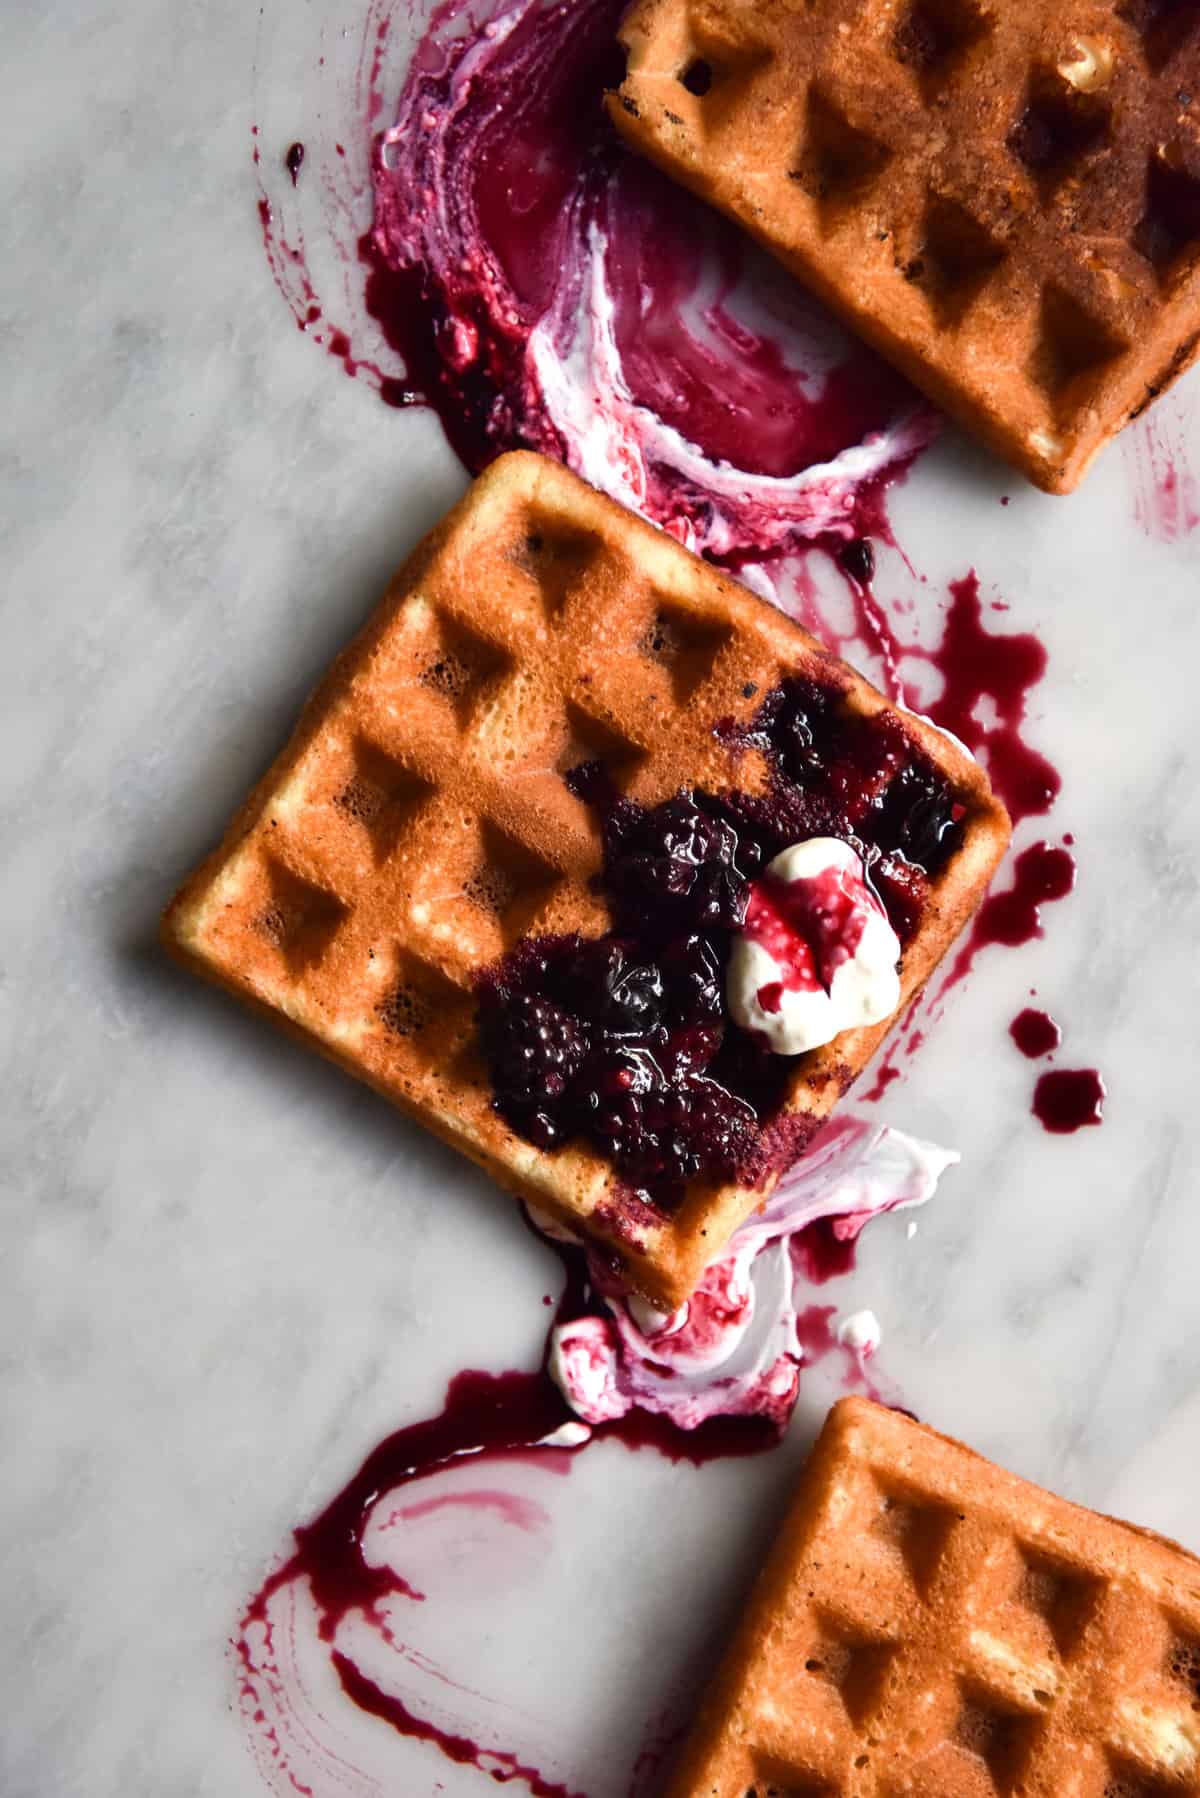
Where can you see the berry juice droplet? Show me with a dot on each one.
(293, 162)
(1035, 1033)
(1069, 1099)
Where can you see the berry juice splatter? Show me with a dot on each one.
(1035, 1033)
(1068, 1099)
(1159, 451)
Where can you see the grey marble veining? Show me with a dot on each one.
(226, 1272)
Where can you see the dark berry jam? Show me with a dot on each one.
(624, 1041)
(836, 773)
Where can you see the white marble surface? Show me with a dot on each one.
(225, 1270)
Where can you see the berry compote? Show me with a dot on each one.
(625, 1041)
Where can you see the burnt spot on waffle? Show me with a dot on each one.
(844, 1679)
(427, 823)
(1003, 200)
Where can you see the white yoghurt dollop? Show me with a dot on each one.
(816, 954)
(860, 1333)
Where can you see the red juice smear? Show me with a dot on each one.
(486, 1418)
(503, 195)
(1068, 1099)
(983, 670)
(822, 1255)
(463, 1750)
(1042, 874)
(1035, 1033)
(1166, 487)
(816, 1334)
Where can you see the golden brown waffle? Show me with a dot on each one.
(1003, 197)
(418, 825)
(930, 1625)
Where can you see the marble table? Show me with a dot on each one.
(226, 1271)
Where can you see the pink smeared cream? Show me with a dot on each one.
(733, 1349)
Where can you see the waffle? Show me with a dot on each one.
(417, 825)
(928, 1624)
(1002, 197)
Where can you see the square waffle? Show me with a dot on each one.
(1002, 197)
(930, 1625)
(417, 826)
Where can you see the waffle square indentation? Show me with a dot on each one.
(917, 1530)
(932, 37)
(685, 646)
(1072, 347)
(1057, 127)
(838, 163)
(299, 918)
(1168, 232)
(381, 795)
(957, 259)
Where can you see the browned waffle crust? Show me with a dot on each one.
(417, 824)
(1003, 197)
(928, 1624)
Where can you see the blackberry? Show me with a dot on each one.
(674, 1134)
(615, 990)
(680, 861)
(799, 723)
(535, 1049)
(916, 818)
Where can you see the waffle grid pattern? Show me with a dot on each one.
(932, 1625)
(417, 825)
(1004, 198)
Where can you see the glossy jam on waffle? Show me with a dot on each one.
(932, 1626)
(495, 870)
(1003, 198)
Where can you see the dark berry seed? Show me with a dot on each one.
(858, 559)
